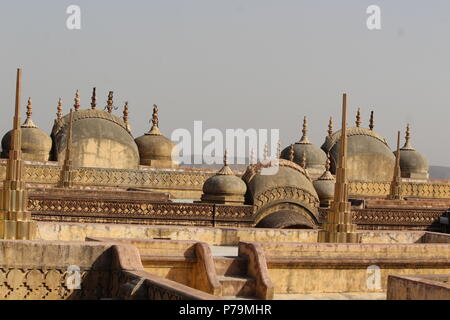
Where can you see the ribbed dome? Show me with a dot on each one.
(313, 156)
(155, 149)
(36, 144)
(369, 157)
(412, 163)
(224, 187)
(100, 139)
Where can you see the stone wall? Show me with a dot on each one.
(426, 287)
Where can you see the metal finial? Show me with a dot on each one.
(330, 127)
(76, 105)
(125, 116)
(407, 145)
(328, 163)
(28, 121)
(94, 99)
(304, 139)
(291, 153)
(59, 109)
(371, 125)
(155, 122)
(358, 118)
(266, 152)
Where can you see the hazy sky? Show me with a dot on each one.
(237, 64)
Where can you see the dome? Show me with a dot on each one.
(224, 187)
(412, 163)
(100, 140)
(325, 186)
(315, 157)
(280, 185)
(36, 144)
(369, 157)
(155, 149)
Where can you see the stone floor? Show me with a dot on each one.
(333, 296)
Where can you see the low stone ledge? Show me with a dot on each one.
(419, 287)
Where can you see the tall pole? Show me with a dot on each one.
(15, 219)
(339, 226)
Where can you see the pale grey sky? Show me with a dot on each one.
(237, 64)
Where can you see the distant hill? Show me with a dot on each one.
(441, 173)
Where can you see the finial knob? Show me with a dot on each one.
(76, 105)
(110, 103)
(94, 99)
(155, 122)
(330, 127)
(59, 109)
(358, 118)
(303, 160)
(28, 121)
(304, 139)
(407, 145)
(291, 153)
(371, 124)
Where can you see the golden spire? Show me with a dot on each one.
(330, 127)
(407, 145)
(339, 226)
(396, 187)
(371, 125)
(226, 170)
(15, 221)
(94, 99)
(59, 109)
(28, 121)
(291, 153)
(109, 104)
(358, 118)
(76, 105)
(67, 173)
(304, 139)
(155, 122)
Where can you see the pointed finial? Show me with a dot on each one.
(59, 109)
(304, 139)
(358, 118)
(76, 105)
(110, 103)
(327, 174)
(94, 99)
(252, 159)
(266, 152)
(125, 116)
(28, 122)
(371, 125)
(291, 153)
(303, 160)
(226, 170)
(155, 122)
(330, 127)
(407, 145)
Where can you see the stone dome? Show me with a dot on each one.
(412, 163)
(154, 148)
(36, 144)
(100, 139)
(280, 185)
(224, 187)
(369, 157)
(315, 157)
